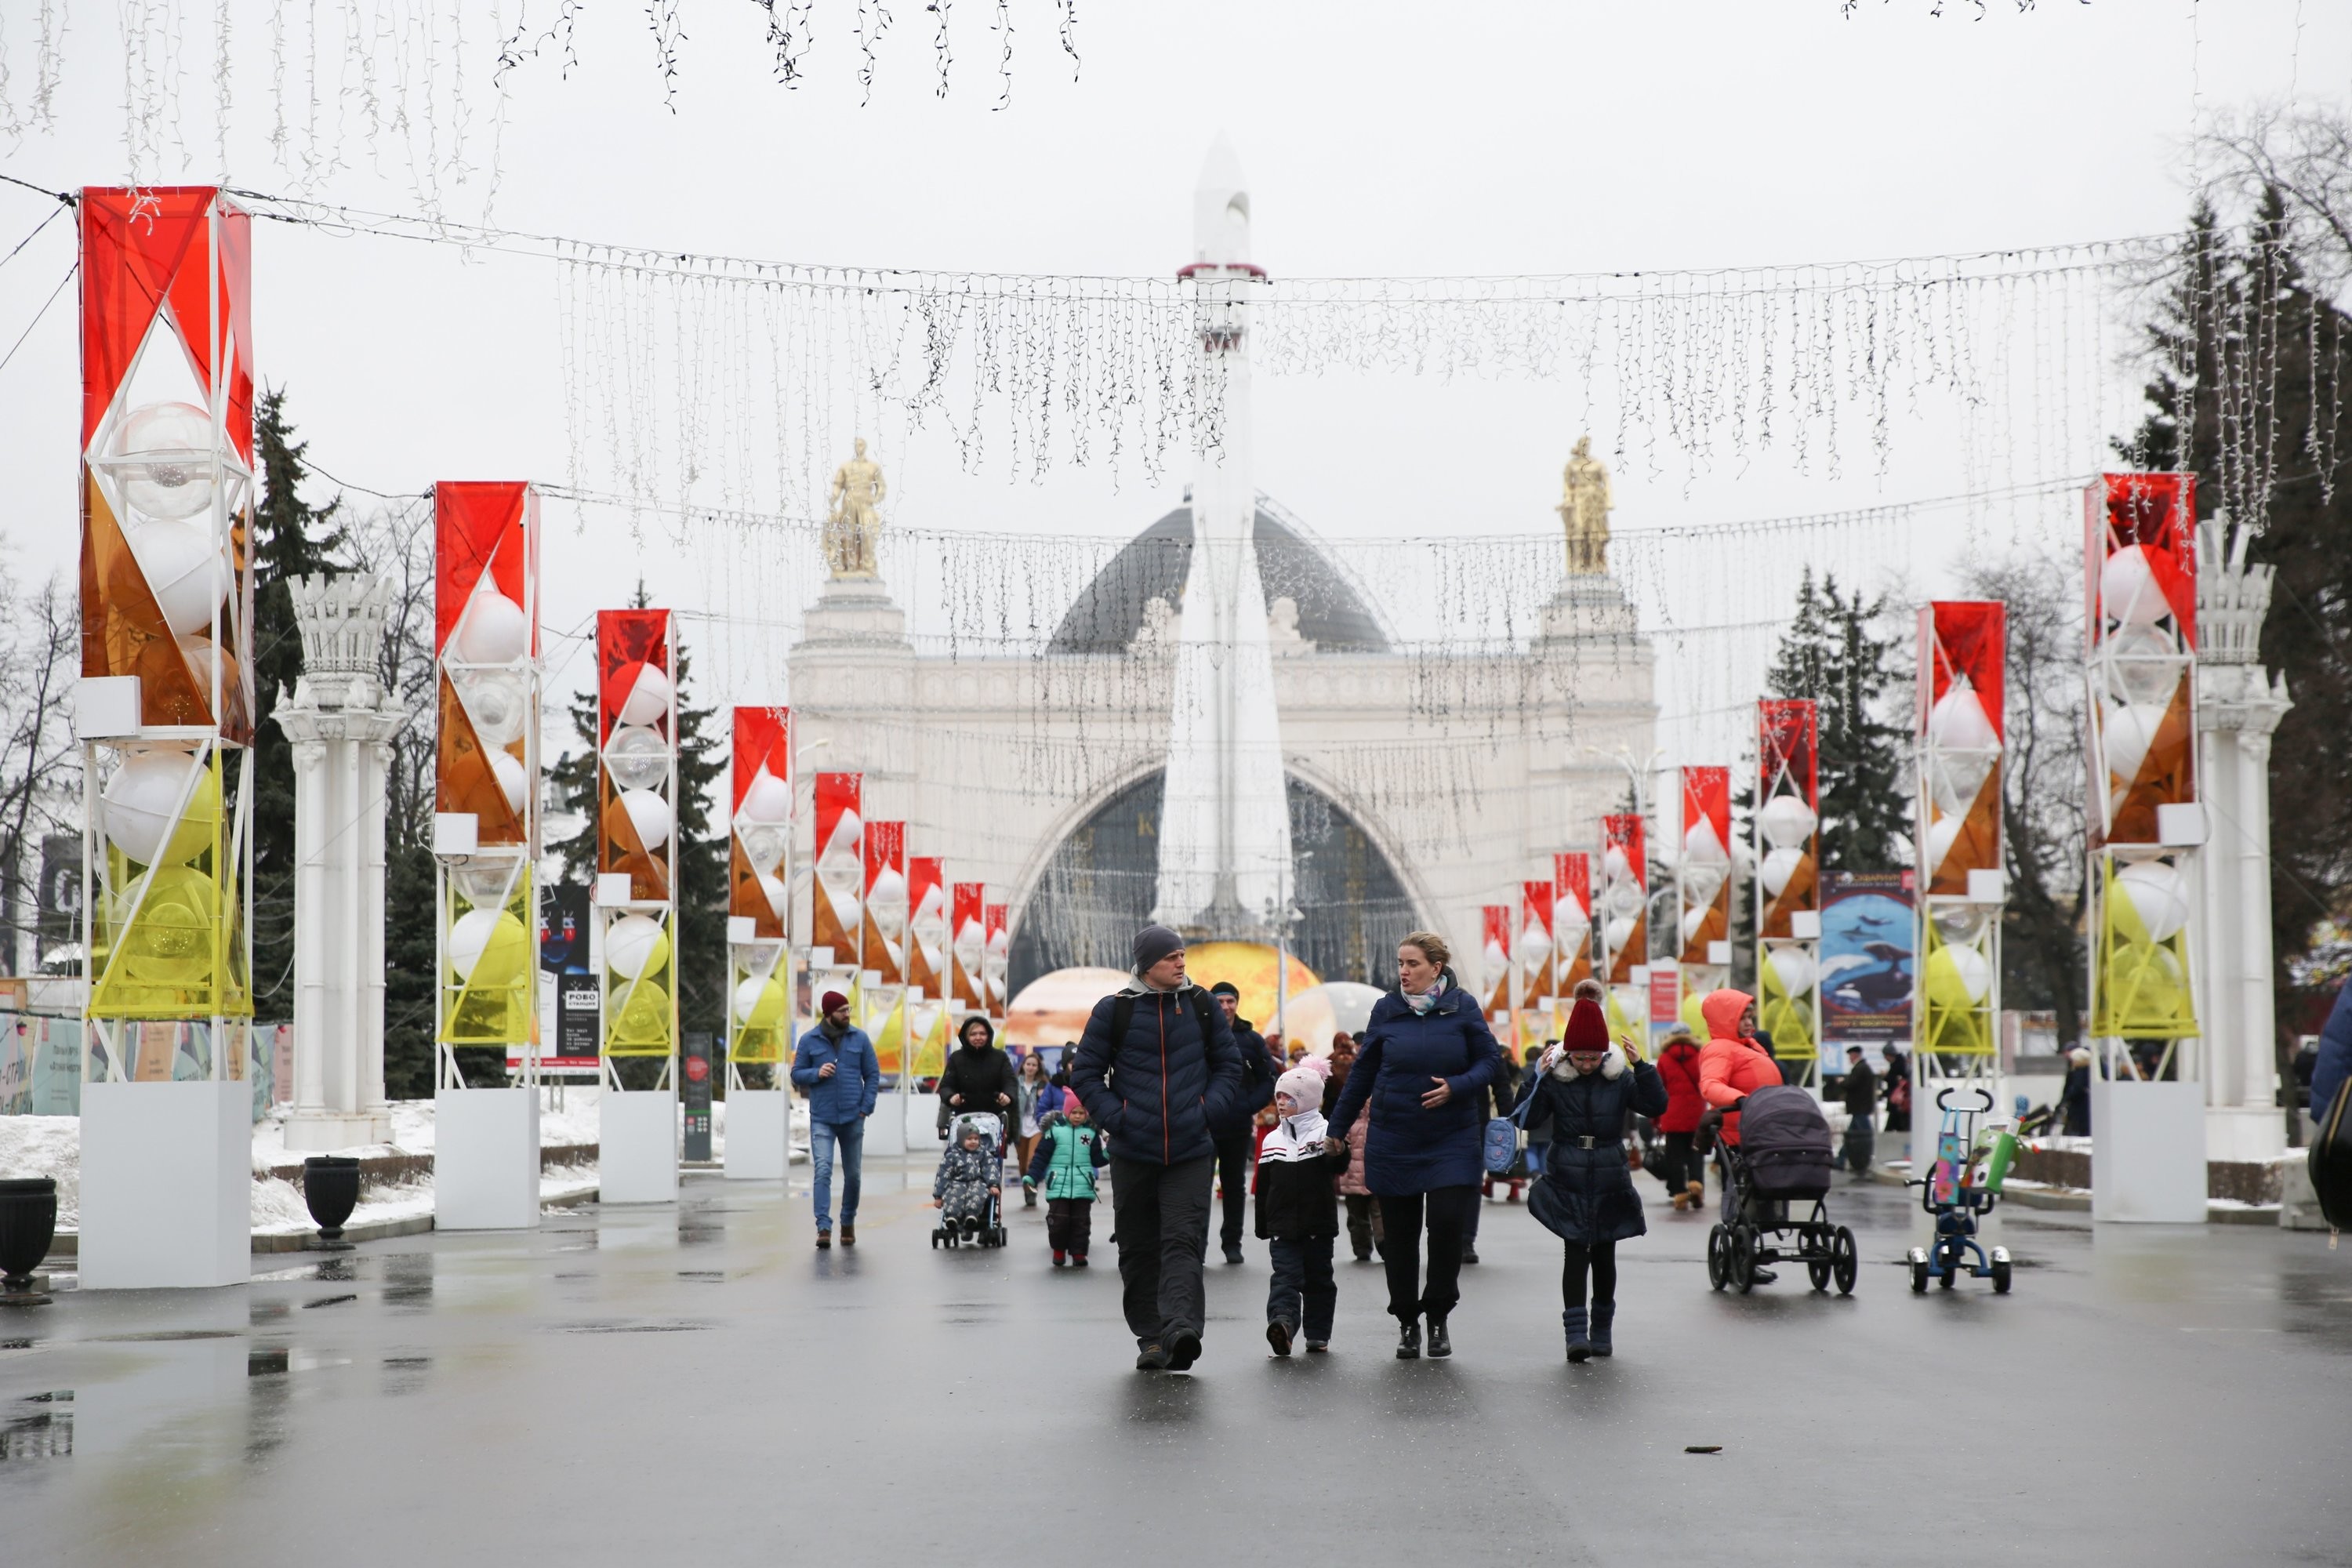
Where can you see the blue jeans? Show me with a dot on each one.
(823, 1136)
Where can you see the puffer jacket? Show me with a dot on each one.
(1732, 1068)
(1350, 1182)
(1156, 1092)
(848, 1094)
(1066, 1158)
(1413, 1149)
(980, 1076)
(1586, 1194)
(1259, 1071)
(1678, 1067)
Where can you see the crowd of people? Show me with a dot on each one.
(1388, 1140)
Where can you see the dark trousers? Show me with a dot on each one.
(1677, 1164)
(1447, 1211)
(1162, 1214)
(1860, 1140)
(1233, 1167)
(1302, 1273)
(1069, 1223)
(1364, 1228)
(1600, 1261)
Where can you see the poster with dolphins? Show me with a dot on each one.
(1867, 955)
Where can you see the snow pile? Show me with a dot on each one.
(46, 1146)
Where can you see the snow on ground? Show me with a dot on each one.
(46, 1146)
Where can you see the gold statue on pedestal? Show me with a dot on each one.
(853, 528)
(1584, 506)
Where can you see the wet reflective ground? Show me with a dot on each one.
(697, 1384)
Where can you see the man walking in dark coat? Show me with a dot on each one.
(1236, 1135)
(1862, 1113)
(1157, 1068)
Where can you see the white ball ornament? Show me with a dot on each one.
(1941, 836)
(649, 814)
(1702, 848)
(636, 757)
(1794, 969)
(1788, 822)
(766, 800)
(650, 695)
(1779, 867)
(1958, 721)
(164, 455)
(2157, 898)
(2128, 590)
(2128, 733)
(136, 809)
(186, 570)
(1620, 932)
(511, 777)
(493, 629)
(635, 946)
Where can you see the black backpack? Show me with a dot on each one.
(2331, 1161)
(1122, 1014)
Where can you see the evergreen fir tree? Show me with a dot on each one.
(291, 538)
(1833, 655)
(2300, 439)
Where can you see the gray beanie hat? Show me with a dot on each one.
(1153, 943)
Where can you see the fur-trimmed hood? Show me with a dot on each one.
(1613, 1066)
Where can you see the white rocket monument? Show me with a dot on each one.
(1224, 840)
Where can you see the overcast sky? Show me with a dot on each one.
(1378, 139)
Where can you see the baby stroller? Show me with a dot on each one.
(979, 1223)
(1783, 1158)
(1964, 1182)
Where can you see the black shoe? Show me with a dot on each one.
(1151, 1358)
(1765, 1276)
(825, 1241)
(1469, 1255)
(1183, 1350)
(1029, 1199)
(1278, 1334)
(1363, 1258)
(1232, 1252)
(1319, 1347)
(1409, 1340)
(1440, 1347)
(1080, 1261)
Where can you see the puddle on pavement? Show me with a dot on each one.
(405, 1375)
(269, 1361)
(328, 1301)
(166, 1336)
(703, 1276)
(37, 1426)
(634, 1326)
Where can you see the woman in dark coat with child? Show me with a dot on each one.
(1586, 1096)
(1427, 1055)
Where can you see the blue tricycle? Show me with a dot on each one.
(1963, 1184)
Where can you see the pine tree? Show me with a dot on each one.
(290, 539)
(1833, 655)
(2235, 303)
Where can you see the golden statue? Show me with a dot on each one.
(1584, 507)
(853, 528)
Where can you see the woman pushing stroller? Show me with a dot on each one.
(1587, 1097)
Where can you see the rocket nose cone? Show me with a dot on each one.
(1221, 171)
(1220, 207)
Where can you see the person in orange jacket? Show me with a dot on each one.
(1733, 1065)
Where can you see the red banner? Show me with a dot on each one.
(1000, 953)
(1535, 920)
(968, 937)
(926, 924)
(1571, 920)
(2139, 561)
(1788, 815)
(838, 889)
(1625, 866)
(1706, 876)
(761, 814)
(486, 566)
(885, 944)
(1963, 643)
(2150, 521)
(1494, 951)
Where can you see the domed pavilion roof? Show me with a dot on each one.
(1154, 564)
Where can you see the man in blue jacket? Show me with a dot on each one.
(835, 1065)
(2335, 1064)
(1156, 1070)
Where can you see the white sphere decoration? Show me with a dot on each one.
(1569, 921)
(1495, 956)
(636, 757)
(1793, 968)
(2128, 733)
(749, 994)
(1620, 932)
(2158, 897)
(163, 454)
(1974, 970)
(1702, 882)
(1779, 867)
(648, 697)
(492, 630)
(773, 887)
(510, 778)
(1788, 822)
(649, 814)
(1614, 867)
(1958, 721)
(2143, 665)
(1941, 836)
(2127, 588)
(634, 944)
(1955, 777)
(1533, 945)
(766, 800)
(136, 810)
(998, 944)
(840, 857)
(186, 570)
(468, 935)
(497, 703)
(1625, 898)
(1693, 919)
(1702, 848)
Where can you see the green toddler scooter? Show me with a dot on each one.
(1965, 1183)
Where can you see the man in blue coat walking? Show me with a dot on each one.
(835, 1065)
(1156, 1070)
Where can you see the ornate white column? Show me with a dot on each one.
(341, 722)
(2238, 704)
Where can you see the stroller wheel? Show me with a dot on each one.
(1743, 1258)
(1846, 1259)
(935, 1241)
(1718, 1251)
(1817, 1270)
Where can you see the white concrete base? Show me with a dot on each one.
(886, 1129)
(322, 1133)
(759, 1134)
(2148, 1151)
(637, 1146)
(2244, 1132)
(922, 1121)
(166, 1186)
(485, 1159)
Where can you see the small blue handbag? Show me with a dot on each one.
(1505, 1136)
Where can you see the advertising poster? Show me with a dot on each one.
(1867, 957)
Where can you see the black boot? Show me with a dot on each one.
(1278, 1334)
(1440, 1347)
(1579, 1347)
(1409, 1340)
(1603, 1313)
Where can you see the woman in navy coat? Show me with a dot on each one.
(1425, 1055)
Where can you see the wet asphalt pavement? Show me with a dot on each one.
(697, 1385)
